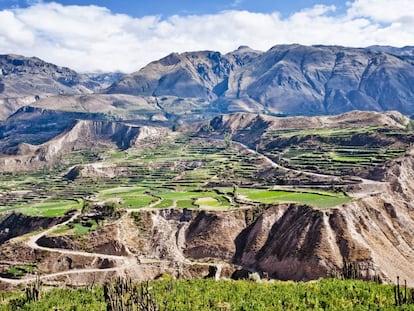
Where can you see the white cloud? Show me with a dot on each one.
(13, 32)
(384, 11)
(88, 38)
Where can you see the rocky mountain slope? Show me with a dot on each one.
(26, 76)
(24, 80)
(287, 79)
(104, 79)
(36, 126)
(254, 129)
(244, 121)
(83, 134)
(193, 74)
(406, 51)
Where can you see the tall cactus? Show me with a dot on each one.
(122, 295)
(402, 298)
(34, 290)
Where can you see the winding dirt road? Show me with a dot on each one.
(122, 262)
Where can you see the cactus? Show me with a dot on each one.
(33, 290)
(398, 295)
(122, 295)
(351, 271)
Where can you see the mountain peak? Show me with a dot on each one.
(290, 79)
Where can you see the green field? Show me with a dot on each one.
(184, 172)
(77, 228)
(321, 200)
(323, 131)
(138, 197)
(214, 200)
(206, 295)
(48, 208)
(131, 197)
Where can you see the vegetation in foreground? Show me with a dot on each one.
(327, 294)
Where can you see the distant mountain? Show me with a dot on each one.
(193, 86)
(30, 75)
(287, 79)
(104, 79)
(404, 51)
(24, 80)
(194, 74)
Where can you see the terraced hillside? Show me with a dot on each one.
(265, 194)
(354, 144)
(183, 167)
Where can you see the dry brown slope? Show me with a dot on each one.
(83, 135)
(245, 121)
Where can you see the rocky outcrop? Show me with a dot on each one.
(100, 242)
(35, 126)
(16, 224)
(96, 171)
(212, 235)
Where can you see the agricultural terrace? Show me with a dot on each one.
(184, 172)
(336, 151)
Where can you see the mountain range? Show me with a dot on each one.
(285, 80)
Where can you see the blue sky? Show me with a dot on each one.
(139, 8)
(126, 35)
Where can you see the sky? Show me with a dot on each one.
(91, 36)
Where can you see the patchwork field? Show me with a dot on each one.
(189, 172)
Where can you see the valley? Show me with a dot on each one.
(217, 196)
(193, 167)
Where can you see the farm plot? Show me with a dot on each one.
(184, 172)
(130, 197)
(208, 199)
(315, 199)
(48, 208)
